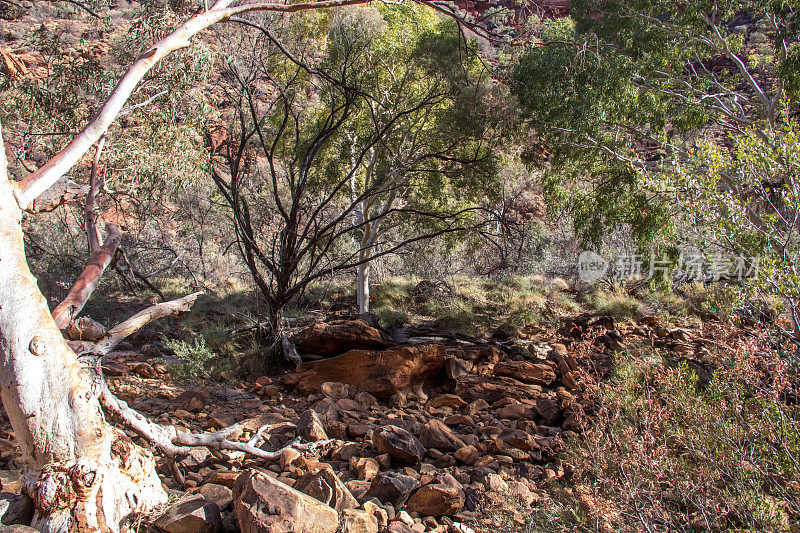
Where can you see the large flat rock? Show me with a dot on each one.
(381, 373)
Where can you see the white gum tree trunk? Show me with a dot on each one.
(82, 472)
(362, 287)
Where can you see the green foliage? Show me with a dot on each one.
(663, 454)
(195, 358)
(621, 89)
(745, 202)
(410, 61)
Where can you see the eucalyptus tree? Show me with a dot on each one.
(676, 119)
(620, 90)
(433, 159)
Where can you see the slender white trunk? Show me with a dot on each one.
(362, 287)
(82, 472)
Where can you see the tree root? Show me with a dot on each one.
(175, 444)
(88, 495)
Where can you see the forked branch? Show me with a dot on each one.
(176, 444)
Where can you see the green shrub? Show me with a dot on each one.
(196, 358)
(662, 454)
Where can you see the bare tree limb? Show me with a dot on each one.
(83, 6)
(94, 187)
(116, 334)
(176, 444)
(77, 296)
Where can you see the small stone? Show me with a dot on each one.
(405, 518)
(326, 487)
(345, 452)
(336, 390)
(477, 406)
(549, 409)
(459, 420)
(437, 435)
(448, 400)
(437, 499)
(494, 483)
(366, 399)
(219, 494)
(455, 368)
(309, 426)
(514, 411)
(365, 468)
(399, 527)
(385, 460)
(391, 488)
(398, 443)
(194, 514)
(180, 414)
(225, 478)
(357, 521)
(357, 431)
(467, 454)
(289, 456)
(525, 371)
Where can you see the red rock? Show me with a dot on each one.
(494, 388)
(309, 426)
(265, 505)
(527, 372)
(436, 434)
(399, 443)
(335, 337)
(379, 373)
(391, 488)
(326, 487)
(441, 498)
(194, 514)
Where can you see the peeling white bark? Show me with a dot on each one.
(82, 472)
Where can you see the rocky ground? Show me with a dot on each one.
(415, 429)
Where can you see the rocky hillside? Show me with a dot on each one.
(411, 429)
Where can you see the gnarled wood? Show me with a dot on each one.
(176, 444)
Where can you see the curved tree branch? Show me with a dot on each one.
(76, 298)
